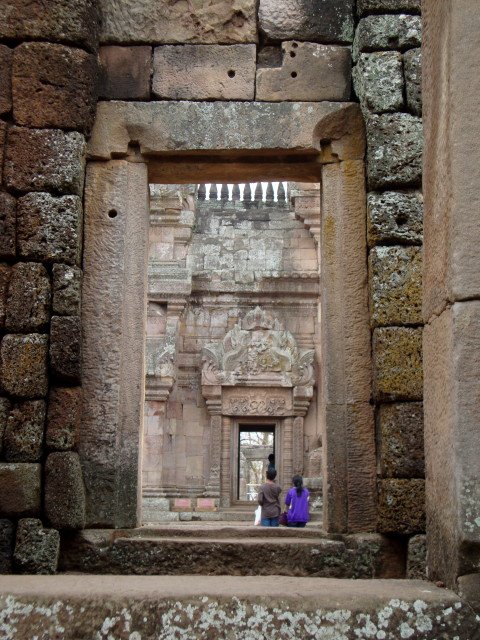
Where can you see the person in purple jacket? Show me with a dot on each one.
(297, 500)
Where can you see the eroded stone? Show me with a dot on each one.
(5, 79)
(7, 543)
(401, 506)
(397, 356)
(400, 438)
(308, 71)
(395, 217)
(417, 558)
(387, 32)
(49, 228)
(395, 285)
(5, 271)
(412, 65)
(5, 406)
(20, 494)
(311, 20)
(23, 439)
(8, 207)
(394, 157)
(36, 549)
(64, 491)
(63, 417)
(387, 6)
(67, 282)
(29, 295)
(378, 81)
(197, 72)
(54, 86)
(23, 361)
(125, 73)
(3, 135)
(65, 332)
(161, 21)
(43, 159)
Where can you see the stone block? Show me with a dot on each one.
(7, 543)
(412, 65)
(400, 440)
(401, 506)
(65, 332)
(5, 79)
(388, 6)
(309, 72)
(387, 32)
(3, 135)
(397, 357)
(64, 491)
(67, 283)
(36, 549)
(394, 157)
(469, 589)
(125, 73)
(378, 81)
(49, 228)
(197, 72)
(8, 208)
(23, 365)
(394, 217)
(44, 159)
(4, 413)
(54, 86)
(63, 418)
(165, 22)
(20, 489)
(417, 558)
(29, 296)
(23, 439)
(395, 286)
(65, 21)
(5, 271)
(311, 20)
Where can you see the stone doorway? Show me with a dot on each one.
(255, 445)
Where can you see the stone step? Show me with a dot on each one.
(231, 551)
(74, 607)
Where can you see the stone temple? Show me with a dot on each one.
(232, 229)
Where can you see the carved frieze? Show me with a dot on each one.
(257, 402)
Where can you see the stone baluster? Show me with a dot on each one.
(213, 191)
(258, 192)
(224, 193)
(269, 196)
(202, 192)
(281, 195)
(247, 193)
(236, 192)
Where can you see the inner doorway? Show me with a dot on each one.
(256, 443)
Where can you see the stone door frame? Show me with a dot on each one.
(133, 144)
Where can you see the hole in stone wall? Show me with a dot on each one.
(294, 74)
(292, 54)
(112, 213)
(231, 73)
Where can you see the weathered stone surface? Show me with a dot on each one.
(387, 6)
(394, 156)
(5, 79)
(5, 271)
(378, 81)
(65, 334)
(400, 440)
(63, 417)
(23, 439)
(125, 73)
(394, 217)
(161, 21)
(23, 365)
(36, 549)
(7, 543)
(42, 159)
(197, 72)
(8, 207)
(29, 296)
(67, 282)
(417, 558)
(401, 506)
(20, 493)
(395, 285)
(64, 491)
(309, 71)
(54, 86)
(52, 20)
(315, 21)
(49, 228)
(469, 588)
(412, 64)
(3, 135)
(397, 355)
(4, 413)
(387, 32)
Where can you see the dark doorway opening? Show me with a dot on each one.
(255, 444)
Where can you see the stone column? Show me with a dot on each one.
(287, 451)
(451, 305)
(213, 483)
(113, 320)
(226, 463)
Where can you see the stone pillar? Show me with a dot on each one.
(113, 316)
(345, 410)
(226, 463)
(451, 304)
(287, 450)
(213, 483)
